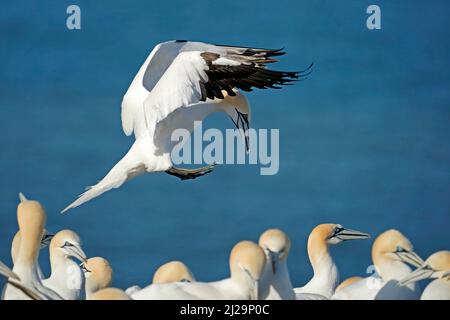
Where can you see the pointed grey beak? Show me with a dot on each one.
(410, 257)
(46, 239)
(76, 252)
(348, 234)
(273, 257)
(417, 275)
(446, 274)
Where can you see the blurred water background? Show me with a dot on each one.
(363, 142)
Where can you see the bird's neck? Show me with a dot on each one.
(391, 269)
(60, 264)
(276, 285)
(326, 275)
(28, 250)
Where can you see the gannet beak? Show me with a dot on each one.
(76, 252)
(242, 123)
(410, 257)
(46, 239)
(7, 272)
(348, 234)
(273, 257)
(417, 275)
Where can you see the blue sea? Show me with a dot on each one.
(364, 141)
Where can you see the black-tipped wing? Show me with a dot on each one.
(200, 71)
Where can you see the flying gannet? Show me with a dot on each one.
(182, 82)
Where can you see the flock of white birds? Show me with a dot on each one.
(179, 84)
(258, 271)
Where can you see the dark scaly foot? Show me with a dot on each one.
(186, 174)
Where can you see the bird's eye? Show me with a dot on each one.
(83, 267)
(400, 249)
(68, 244)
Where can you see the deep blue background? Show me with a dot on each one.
(364, 141)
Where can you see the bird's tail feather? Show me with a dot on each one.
(128, 167)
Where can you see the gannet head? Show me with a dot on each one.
(276, 246)
(329, 233)
(68, 244)
(173, 271)
(109, 294)
(392, 245)
(238, 108)
(437, 266)
(247, 261)
(98, 274)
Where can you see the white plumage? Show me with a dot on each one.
(177, 79)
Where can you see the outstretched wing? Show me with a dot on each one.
(202, 71)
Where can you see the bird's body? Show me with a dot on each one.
(181, 82)
(247, 262)
(437, 290)
(227, 289)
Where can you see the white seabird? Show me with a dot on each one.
(326, 275)
(390, 250)
(98, 274)
(31, 218)
(275, 282)
(181, 82)
(436, 267)
(66, 277)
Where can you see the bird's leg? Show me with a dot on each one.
(186, 174)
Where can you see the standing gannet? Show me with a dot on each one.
(66, 277)
(98, 274)
(110, 294)
(437, 267)
(275, 281)
(181, 82)
(31, 218)
(247, 261)
(389, 251)
(326, 275)
(15, 244)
